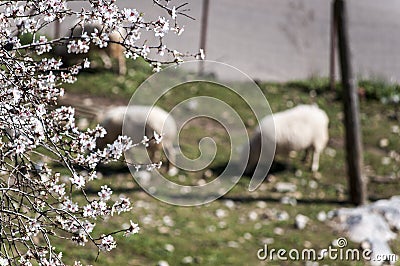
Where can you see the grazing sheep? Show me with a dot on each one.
(303, 127)
(139, 118)
(112, 51)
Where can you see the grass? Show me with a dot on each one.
(229, 231)
(102, 82)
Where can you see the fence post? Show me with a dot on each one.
(356, 178)
(332, 52)
(57, 30)
(203, 31)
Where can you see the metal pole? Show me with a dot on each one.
(57, 26)
(203, 31)
(357, 181)
(332, 54)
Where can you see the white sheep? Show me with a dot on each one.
(137, 119)
(303, 127)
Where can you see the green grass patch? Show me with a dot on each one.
(230, 231)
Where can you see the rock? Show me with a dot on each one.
(313, 93)
(233, 244)
(168, 221)
(187, 260)
(144, 177)
(340, 190)
(173, 171)
(301, 221)
(283, 187)
(331, 214)
(371, 225)
(163, 230)
(394, 155)
(271, 178)
(365, 245)
(83, 123)
(211, 228)
(307, 244)
(313, 184)
(278, 231)
(298, 173)
(220, 213)
(380, 249)
(317, 175)
(250, 122)
(385, 160)
(88, 102)
(282, 216)
(201, 182)
(293, 154)
(162, 263)
(247, 236)
(261, 204)
(395, 129)
(267, 240)
(321, 216)
(230, 204)
(330, 152)
(390, 210)
(383, 143)
(222, 224)
(253, 216)
(289, 200)
(193, 104)
(257, 226)
(208, 173)
(169, 247)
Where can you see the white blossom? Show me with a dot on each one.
(162, 27)
(178, 30)
(86, 63)
(202, 54)
(132, 230)
(78, 180)
(131, 15)
(105, 193)
(173, 12)
(78, 47)
(157, 137)
(32, 122)
(123, 205)
(145, 50)
(4, 262)
(107, 243)
(42, 45)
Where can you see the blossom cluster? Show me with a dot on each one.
(38, 136)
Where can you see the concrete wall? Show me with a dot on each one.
(280, 40)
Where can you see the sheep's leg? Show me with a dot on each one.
(121, 64)
(318, 148)
(172, 171)
(254, 154)
(106, 59)
(306, 154)
(152, 152)
(170, 152)
(315, 162)
(117, 51)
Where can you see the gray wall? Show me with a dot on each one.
(280, 40)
